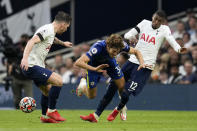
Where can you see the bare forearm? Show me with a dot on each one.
(57, 41)
(84, 65)
(28, 49)
(139, 57)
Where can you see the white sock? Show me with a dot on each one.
(45, 116)
(51, 110)
(116, 109)
(96, 116)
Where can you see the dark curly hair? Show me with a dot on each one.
(115, 41)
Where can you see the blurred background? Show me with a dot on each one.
(172, 85)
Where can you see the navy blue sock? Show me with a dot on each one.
(124, 100)
(53, 96)
(112, 89)
(44, 104)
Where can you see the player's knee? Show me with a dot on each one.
(91, 96)
(121, 86)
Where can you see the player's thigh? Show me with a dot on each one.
(120, 83)
(129, 68)
(45, 89)
(55, 79)
(38, 74)
(137, 82)
(92, 80)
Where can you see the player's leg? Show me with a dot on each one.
(123, 112)
(44, 104)
(111, 90)
(40, 76)
(120, 83)
(87, 85)
(56, 81)
(91, 92)
(117, 83)
(134, 86)
(83, 88)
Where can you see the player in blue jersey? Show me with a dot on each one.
(151, 36)
(101, 56)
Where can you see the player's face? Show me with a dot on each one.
(113, 52)
(157, 21)
(63, 27)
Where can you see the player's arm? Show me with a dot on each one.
(24, 62)
(84, 59)
(66, 43)
(132, 33)
(139, 56)
(173, 43)
(134, 51)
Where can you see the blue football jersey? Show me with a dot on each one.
(98, 54)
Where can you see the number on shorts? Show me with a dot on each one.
(118, 70)
(133, 86)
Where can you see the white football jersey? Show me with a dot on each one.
(40, 50)
(150, 41)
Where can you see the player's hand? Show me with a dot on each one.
(183, 50)
(100, 67)
(68, 44)
(144, 66)
(24, 64)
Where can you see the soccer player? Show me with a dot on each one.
(33, 66)
(102, 56)
(151, 36)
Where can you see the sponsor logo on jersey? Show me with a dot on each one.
(148, 38)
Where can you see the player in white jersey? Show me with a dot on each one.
(151, 36)
(33, 66)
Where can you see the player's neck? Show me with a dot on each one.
(55, 27)
(155, 28)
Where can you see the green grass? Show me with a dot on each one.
(12, 120)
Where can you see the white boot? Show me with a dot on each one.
(82, 84)
(123, 113)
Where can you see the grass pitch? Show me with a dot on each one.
(16, 120)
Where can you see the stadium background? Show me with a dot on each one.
(106, 17)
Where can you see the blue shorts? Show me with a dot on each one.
(94, 77)
(135, 80)
(38, 74)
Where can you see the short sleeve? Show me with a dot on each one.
(141, 24)
(43, 34)
(94, 50)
